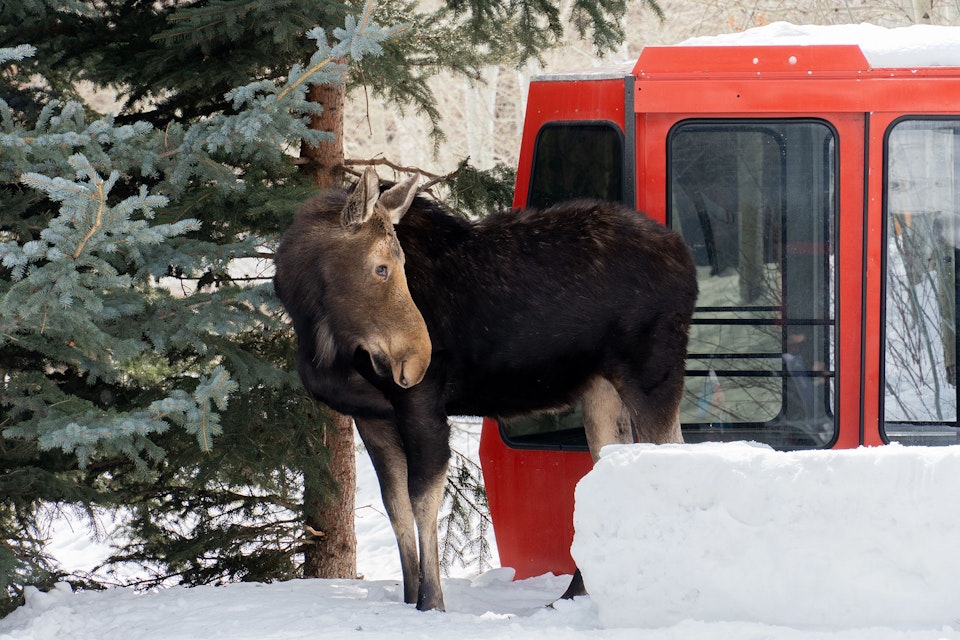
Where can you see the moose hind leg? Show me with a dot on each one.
(655, 412)
(606, 421)
(605, 418)
(382, 440)
(650, 380)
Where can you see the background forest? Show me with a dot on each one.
(151, 153)
(484, 121)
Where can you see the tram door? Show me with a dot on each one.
(756, 200)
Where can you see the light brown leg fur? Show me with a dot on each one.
(605, 417)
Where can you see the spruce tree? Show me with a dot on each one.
(101, 354)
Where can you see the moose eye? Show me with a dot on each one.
(382, 271)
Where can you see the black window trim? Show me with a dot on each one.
(830, 231)
(626, 180)
(884, 231)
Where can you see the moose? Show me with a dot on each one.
(406, 313)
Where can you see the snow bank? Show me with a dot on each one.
(904, 47)
(735, 532)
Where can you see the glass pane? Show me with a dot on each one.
(920, 350)
(561, 429)
(571, 160)
(577, 160)
(756, 203)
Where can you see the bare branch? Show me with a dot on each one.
(434, 178)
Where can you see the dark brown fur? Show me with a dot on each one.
(525, 311)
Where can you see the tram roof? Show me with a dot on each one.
(782, 48)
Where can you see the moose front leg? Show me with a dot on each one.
(426, 494)
(426, 440)
(382, 440)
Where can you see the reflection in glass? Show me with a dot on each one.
(920, 347)
(756, 203)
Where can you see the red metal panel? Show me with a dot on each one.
(794, 97)
(652, 163)
(782, 60)
(874, 278)
(570, 100)
(785, 79)
(530, 493)
(849, 273)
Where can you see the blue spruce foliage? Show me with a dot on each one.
(121, 316)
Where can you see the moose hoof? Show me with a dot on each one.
(425, 603)
(576, 588)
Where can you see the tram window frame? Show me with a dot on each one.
(563, 430)
(784, 426)
(590, 149)
(921, 278)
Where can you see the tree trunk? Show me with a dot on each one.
(328, 511)
(325, 160)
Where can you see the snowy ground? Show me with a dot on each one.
(730, 527)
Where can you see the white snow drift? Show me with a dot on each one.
(738, 532)
(919, 45)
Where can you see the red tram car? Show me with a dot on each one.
(820, 196)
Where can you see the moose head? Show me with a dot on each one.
(367, 303)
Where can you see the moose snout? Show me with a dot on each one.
(405, 361)
(410, 350)
(410, 370)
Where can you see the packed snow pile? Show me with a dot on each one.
(903, 47)
(736, 532)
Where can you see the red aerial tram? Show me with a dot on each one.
(821, 199)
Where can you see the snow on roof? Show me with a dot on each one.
(897, 47)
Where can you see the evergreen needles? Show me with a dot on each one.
(126, 308)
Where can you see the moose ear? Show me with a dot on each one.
(361, 202)
(396, 200)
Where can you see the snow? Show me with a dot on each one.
(904, 47)
(679, 541)
(739, 532)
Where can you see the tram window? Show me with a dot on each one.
(577, 160)
(922, 231)
(571, 160)
(554, 430)
(756, 202)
